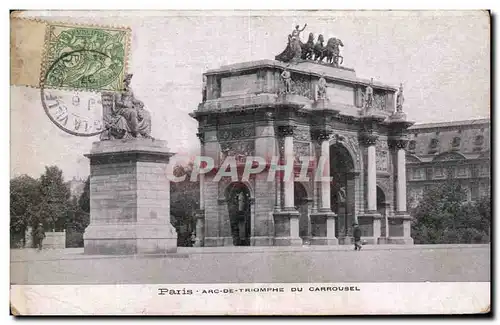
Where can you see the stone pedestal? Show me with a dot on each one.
(323, 228)
(129, 198)
(261, 241)
(200, 228)
(286, 228)
(398, 116)
(218, 241)
(376, 228)
(406, 238)
(28, 237)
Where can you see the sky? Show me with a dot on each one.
(441, 57)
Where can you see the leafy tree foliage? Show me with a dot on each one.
(53, 208)
(78, 217)
(444, 217)
(24, 196)
(184, 201)
(45, 200)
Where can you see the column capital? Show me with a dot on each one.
(286, 130)
(369, 139)
(321, 135)
(398, 143)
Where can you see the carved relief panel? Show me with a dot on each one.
(239, 149)
(379, 100)
(302, 86)
(382, 151)
(235, 134)
(301, 133)
(301, 149)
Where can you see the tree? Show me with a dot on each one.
(25, 194)
(53, 208)
(78, 217)
(184, 201)
(444, 216)
(84, 200)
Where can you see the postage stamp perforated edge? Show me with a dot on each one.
(38, 59)
(48, 59)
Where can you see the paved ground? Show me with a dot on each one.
(384, 263)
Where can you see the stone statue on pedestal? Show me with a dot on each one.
(125, 116)
(321, 93)
(293, 51)
(287, 80)
(368, 97)
(400, 99)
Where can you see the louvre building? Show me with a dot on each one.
(458, 150)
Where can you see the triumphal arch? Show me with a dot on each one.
(302, 104)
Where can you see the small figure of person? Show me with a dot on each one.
(295, 42)
(322, 87)
(357, 237)
(369, 95)
(39, 236)
(400, 99)
(287, 80)
(193, 238)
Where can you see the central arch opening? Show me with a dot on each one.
(382, 209)
(342, 188)
(301, 204)
(239, 208)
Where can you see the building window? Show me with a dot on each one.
(418, 173)
(462, 171)
(439, 172)
(484, 170)
(484, 190)
(433, 146)
(455, 144)
(479, 140)
(467, 193)
(474, 192)
(412, 145)
(416, 195)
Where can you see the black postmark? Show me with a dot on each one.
(68, 115)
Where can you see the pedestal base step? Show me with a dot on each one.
(287, 241)
(124, 239)
(324, 241)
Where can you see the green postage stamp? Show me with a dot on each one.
(91, 58)
(67, 56)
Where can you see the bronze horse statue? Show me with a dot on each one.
(319, 49)
(311, 51)
(308, 48)
(332, 51)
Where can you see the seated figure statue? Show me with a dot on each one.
(127, 117)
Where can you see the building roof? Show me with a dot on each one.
(306, 67)
(470, 138)
(450, 124)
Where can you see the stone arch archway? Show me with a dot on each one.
(301, 200)
(351, 145)
(342, 188)
(238, 197)
(382, 209)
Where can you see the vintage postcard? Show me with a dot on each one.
(250, 162)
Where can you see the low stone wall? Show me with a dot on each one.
(55, 240)
(52, 239)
